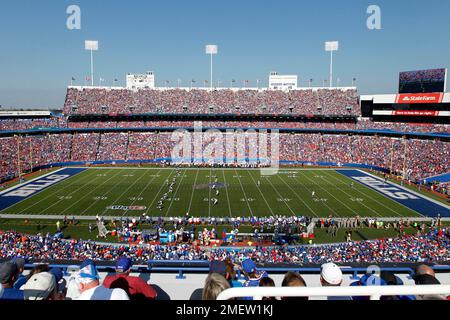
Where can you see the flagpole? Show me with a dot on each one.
(92, 67)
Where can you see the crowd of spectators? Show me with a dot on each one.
(49, 283)
(432, 246)
(122, 101)
(28, 124)
(424, 158)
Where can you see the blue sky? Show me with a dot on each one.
(39, 55)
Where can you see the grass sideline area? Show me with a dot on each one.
(81, 231)
(128, 191)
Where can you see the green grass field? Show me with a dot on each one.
(95, 190)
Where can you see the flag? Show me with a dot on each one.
(102, 80)
(115, 80)
(73, 79)
(88, 78)
(193, 81)
(233, 81)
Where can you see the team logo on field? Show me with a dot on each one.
(127, 208)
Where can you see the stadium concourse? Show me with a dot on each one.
(320, 127)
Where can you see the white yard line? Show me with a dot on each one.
(209, 193)
(175, 194)
(53, 193)
(409, 190)
(264, 198)
(146, 186)
(332, 196)
(281, 197)
(96, 201)
(32, 180)
(343, 191)
(159, 191)
(90, 192)
(226, 190)
(368, 196)
(193, 191)
(243, 191)
(298, 196)
(324, 203)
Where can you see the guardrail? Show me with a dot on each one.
(374, 292)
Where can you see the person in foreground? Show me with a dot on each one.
(88, 282)
(135, 287)
(331, 276)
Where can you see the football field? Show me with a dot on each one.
(204, 192)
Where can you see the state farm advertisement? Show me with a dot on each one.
(420, 98)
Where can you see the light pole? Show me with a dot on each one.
(211, 49)
(92, 46)
(331, 46)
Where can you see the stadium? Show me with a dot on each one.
(322, 189)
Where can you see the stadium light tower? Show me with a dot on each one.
(331, 46)
(211, 49)
(92, 46)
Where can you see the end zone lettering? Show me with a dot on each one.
(36, 186)
(388, 190)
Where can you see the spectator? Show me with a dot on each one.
(215, 266)
(20, 262)
(293, 279)
(251, 274)
(135, 287)
(214, 285)
(424, 269)
(267, 282)
(426, 279)
(89, 285)
(9, 273)
(41, 286)
(392, 280)
(331, 276)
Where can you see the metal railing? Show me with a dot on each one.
(374, 292)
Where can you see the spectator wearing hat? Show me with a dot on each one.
(252, 275)
(61, 283)
(9, 273)
(368, 279)
(21, 280)
(89, 286)
(331, 276)
(135, 287)
(41, 286)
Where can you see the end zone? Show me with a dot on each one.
(24, 191)
(410, 199)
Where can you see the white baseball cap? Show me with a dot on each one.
(331, 273)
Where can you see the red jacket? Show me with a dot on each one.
(135, 287)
